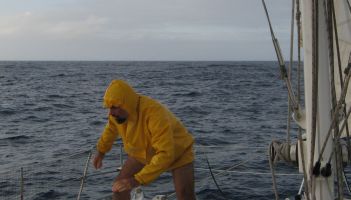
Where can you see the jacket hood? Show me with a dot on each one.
(120, 94)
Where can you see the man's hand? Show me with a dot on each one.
(97, 162)
(124, 184)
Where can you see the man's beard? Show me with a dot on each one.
(120, 120)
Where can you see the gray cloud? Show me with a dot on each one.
(142, 30)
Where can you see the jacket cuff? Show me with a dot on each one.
(99, 149)
(139, 179)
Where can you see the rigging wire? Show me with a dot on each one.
(283, 72)
(84, 175)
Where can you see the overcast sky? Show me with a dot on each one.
(141, 29)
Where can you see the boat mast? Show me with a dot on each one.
(317, 96)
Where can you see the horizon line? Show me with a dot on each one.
(108, 60)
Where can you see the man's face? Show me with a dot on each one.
(119, 114)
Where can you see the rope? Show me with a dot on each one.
(288, 122)
(340, 70)
(348, 3)
(346, 182)
(299, 38)
(334, 117)
(328, 21)
(345, 120)
(338, 158)
(213, 178)
(314, 85)
(338, 153)
(288, 127)
(277, 151)
(234, 166)
(342, 128)
(246, 172)
(229, 146)
(271, 166)
(336, 112)
(219, 173)
(303, 164)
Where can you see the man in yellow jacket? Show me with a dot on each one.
(154, 139)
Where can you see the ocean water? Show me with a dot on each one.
(51, 115)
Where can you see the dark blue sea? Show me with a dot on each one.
(51, 116)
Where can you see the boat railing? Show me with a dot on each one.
(73, 177)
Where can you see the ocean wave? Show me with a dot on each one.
(16, 138)
(212, 141)
(8, 190)
(216, 65)
(68, 75)
(60, 105)
(42, 108)
(188, 94)
(9, 83)
(33, 118)
(211, 194)
(57, 75)
(51, 194)
(7, 112)
(55, 96)
(96, 123)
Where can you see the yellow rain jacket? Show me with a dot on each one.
(151, 134)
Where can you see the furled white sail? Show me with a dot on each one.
(321, 188)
